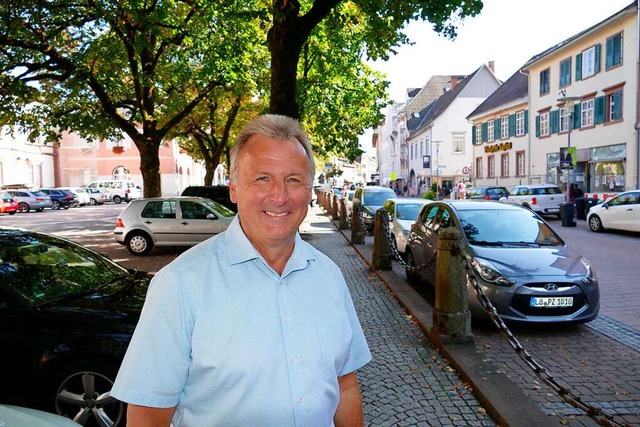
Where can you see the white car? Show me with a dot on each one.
(169, 221)
(402, 214)
(81, 193)
(621, 212)
(543, 199)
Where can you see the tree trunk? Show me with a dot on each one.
(150, 167)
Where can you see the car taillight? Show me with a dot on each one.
(487, 197)
(69, 197)
(534, 201)
(39, 199)
(119, 222)
(128, 190)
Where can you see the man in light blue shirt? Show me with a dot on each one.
(254, 326)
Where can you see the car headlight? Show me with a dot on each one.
(590, 277)
(366, 214)
(490, 273)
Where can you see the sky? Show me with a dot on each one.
(508, 32)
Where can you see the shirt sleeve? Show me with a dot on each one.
(155, 367)
(359, 354)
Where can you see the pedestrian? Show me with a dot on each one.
(253, 326)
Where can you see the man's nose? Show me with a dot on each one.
(279, 192)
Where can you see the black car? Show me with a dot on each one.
(60, 198)
(217, 193)
(67, 316)
(488, 193)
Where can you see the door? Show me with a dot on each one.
(198, 222)
(622, 213)
(159, 218)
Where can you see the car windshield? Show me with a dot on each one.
(377, 198)
(43, 269)
(408, 211)
(222, 210)
(514, 226)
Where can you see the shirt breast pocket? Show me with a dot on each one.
(334, 340)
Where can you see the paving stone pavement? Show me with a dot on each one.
(408, 382)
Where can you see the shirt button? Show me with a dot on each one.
(287, 319)
(299, 400)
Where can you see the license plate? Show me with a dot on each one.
(551, 301)
(553, 210)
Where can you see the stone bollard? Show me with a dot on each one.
(326, 201)
(451, 315)
(344, 223)
(382, 255)
(357, 232)
(334, 207)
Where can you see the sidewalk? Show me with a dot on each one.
(409, 382)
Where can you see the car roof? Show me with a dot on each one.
(406, 200)
(468, 205)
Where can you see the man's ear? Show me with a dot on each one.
(232, 192)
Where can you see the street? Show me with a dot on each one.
(598, 361)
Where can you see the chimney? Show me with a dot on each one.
(492, 66)
(454, 82)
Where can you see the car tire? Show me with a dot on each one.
(139, 243)
(595, 223)
(12, 213)
(117, 200)
(412, 277)
(93, 202)
(55, 205)
(80, 391)
(23, 207)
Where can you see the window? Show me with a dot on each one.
(590, 62)
(520, 123)
(478, 133)
(490, 134)
(458, 142)
(504, 165)
(544, 124)
(478, 167)
(491, 167)
(614, 51)
(614, 106)
(586, 113)
(564, 120)
(544, 81)
(565, 72)
(520, 171)
(504, 127)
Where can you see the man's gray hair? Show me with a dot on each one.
(274, 126)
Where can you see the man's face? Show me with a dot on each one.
(272, 190)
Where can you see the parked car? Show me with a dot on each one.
(8, 204)
(81, 194)
(544, 199)
(119, 190)
(60, 198)
(525, 269)
(68, 314)
(372, 198)
(31, 200)
(217, 193)
(169, 221)
(621, 212)
(97, 196)
(487, 193)
(348, 201)
(17, 416)
(402, 215)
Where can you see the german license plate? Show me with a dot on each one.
(551, 301)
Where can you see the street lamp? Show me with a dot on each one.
(569, 102)
(438, 168)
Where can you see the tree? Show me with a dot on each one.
(103, 69)
(294, 21)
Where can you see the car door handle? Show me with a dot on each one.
(148, 222)
(184, 223)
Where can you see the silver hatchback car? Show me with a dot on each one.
(169, 221)
(31, 200)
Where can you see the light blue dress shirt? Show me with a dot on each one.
(232, 343)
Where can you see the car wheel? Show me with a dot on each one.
(412, 276)
(23, 207)
(82, 393)
(93, 202)
(12, 213)
(117, 200)
(595, 224)
(55, 205)
(66, 207)
(139, 243)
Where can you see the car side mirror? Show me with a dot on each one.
(211, 216)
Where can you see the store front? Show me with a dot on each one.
(607, 168)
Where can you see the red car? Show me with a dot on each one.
(8, 204)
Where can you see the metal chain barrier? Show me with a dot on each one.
(597, 414)
(396, 254)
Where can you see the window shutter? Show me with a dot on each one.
(617, 49)
(617, 106)
(576, 116)
(609, 52)
(596, 67)
(578, 67)
(538, 126)
(526, 121)
(496, 129)
(473, 135)
(512, 125)
(555, 121)
(600, 109)
(485, 132)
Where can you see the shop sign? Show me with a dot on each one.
(498, 147)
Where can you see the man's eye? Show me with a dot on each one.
(262, 178)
